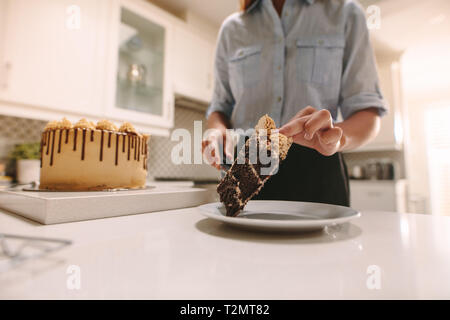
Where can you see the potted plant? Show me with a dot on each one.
(27, 157)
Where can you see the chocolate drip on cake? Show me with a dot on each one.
(134, 145)
(83, 146)
(48, 142)
(129, 145)
(53, 147)
(117, 149)
(75, 133)
(139, 149)
(59, 141)
(101, 146)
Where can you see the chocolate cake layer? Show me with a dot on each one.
(253, 166)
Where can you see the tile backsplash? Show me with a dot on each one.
(21, 130)
(18, 130)
(160, 164)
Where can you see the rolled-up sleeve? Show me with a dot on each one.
(222, 99)
(359, 84)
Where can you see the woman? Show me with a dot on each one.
(300, 61)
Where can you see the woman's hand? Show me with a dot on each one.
(211, 147)
(314, 129)
(215, 137)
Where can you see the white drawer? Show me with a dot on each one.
(377, 195)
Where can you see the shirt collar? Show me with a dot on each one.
(257, 2)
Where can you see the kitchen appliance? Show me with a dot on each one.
(358, 172)
(387, 169)
(373, 170)
(382, 169)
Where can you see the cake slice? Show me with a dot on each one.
(256, 162)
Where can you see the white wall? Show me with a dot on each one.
(426, 82)
(3, 9)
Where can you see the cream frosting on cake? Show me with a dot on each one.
(88, 156)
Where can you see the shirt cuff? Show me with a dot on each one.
(219, 107)
(363, 101)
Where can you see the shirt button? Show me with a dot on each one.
(279, 99)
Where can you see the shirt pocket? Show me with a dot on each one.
(319, 59)
(245, 66)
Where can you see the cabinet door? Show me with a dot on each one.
(368, 195)
(54, 54)
(139, 86)
(193, 65)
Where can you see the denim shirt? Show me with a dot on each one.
(317, 53)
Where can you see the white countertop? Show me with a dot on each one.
(180, 254)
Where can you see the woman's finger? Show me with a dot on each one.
(318, 121)
(294, 127)
(330, 136)
(300, 139)
(228, 147)
(305, 112)
(209, 154)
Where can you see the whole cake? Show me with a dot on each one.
(250, 170)
(88, 156)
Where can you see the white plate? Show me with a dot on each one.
(268, 215)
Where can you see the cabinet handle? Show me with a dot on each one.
(6, 68)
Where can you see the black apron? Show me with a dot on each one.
(306, 175)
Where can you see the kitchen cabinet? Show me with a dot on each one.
(194, 64)
(65, 58)
(53, 55)
(380, 195)
(139, 87)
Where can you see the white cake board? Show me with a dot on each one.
(61, 207)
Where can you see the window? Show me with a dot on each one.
(438, 152)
